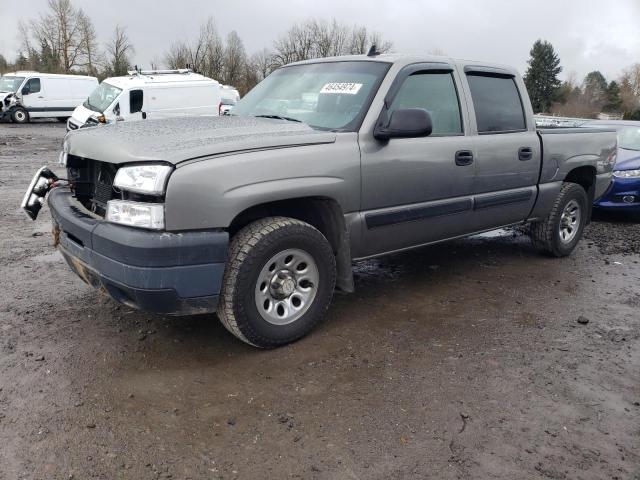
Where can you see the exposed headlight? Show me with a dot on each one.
(626, 173)
(136, 214)
(149, 179)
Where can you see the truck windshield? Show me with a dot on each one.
(629, 138)
(10, 83)
(325, 95)
(102, 97)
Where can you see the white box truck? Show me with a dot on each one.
(148, 94)
(26, 95)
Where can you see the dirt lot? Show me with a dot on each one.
(463, 360)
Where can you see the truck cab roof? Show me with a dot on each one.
(408, 59)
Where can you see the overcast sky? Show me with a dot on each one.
(587, 34)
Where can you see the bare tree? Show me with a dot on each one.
(262, 63)
(322, 38)
(62, 39)
(119, 49)
(235, 60)
(88, 43)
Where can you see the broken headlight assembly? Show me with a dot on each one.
(143, 179)
(33, 200)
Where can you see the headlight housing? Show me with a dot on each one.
(147, 179)
(626, 173)
(136, 214)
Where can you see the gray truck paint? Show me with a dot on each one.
(227, 165)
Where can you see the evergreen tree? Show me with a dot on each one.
(595, 88)
(614, 101)
(541, 78)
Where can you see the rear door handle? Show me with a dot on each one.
(464, 158)
(525, 153)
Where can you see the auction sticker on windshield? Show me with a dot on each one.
(348, 88)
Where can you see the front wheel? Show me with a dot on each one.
(278, 281)
(560, 232)
(20, 115)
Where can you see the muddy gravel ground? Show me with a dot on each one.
(463, 360)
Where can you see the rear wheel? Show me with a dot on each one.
(560, 232)
(278, 282)
(20, 115)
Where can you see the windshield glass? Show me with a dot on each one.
(629, 138)
(327, 95)
(102, 97)
(10, 84)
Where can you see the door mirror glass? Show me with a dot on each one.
(406, 123)
(116, 109)
(135, 101)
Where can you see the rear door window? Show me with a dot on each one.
(436, 93)
(497, 104)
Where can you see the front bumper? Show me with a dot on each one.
(624, 194)
(162, 272)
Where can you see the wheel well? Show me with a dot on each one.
(323, 213)
(585, 177)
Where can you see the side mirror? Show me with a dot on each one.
(404, 123)
(116, 110)
(25, 91)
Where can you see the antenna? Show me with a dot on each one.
(373, 51)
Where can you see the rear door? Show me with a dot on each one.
(419, 190)
(507, 149)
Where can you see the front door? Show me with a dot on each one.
(419, 190)
(33, 98)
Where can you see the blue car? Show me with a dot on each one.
(624, 192)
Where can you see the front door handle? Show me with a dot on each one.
(525, 153)
(464, 158)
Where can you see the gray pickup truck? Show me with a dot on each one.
(259, 215)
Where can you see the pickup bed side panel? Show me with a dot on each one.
(211, 192)
(564, 150)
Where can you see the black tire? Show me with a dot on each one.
(62, 119)
(20, 116)
(250, 251)
(546, 235)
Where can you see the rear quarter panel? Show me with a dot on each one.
(210, 193)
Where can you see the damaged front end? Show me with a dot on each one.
(8, 102)
(33, 200)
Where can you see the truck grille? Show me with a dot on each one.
(93, 182)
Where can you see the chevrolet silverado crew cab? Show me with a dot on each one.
(259, 215)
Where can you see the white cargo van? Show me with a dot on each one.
(26, 95)
(148, 94)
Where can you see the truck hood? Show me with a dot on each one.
(178, 139)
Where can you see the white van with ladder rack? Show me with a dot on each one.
(146, 94)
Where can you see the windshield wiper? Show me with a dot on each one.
(279, 117)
